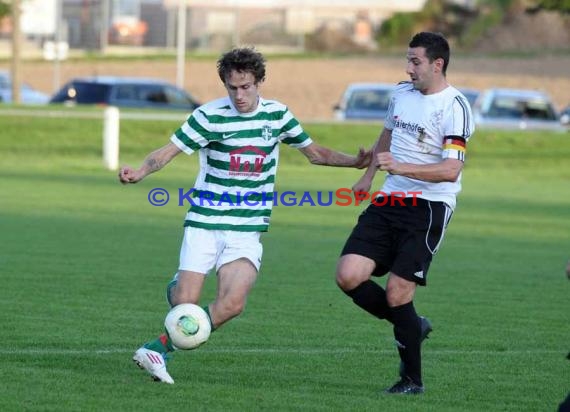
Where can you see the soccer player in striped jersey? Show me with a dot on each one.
(237, 138)
(422, 149)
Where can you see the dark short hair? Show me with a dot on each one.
(242, 59)
(435, 44)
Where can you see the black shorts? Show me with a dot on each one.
(401, 239)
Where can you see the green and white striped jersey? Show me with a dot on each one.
(239, 153)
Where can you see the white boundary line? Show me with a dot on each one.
(294, 351)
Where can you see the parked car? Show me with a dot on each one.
(364, 101)
(27, 94)
(125, 92)
(516, 109)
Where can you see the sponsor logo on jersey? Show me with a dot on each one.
(247, 161)
(410, 128)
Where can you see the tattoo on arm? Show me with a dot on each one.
(159, 158)
(153, 164)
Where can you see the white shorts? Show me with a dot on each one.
(204, 249)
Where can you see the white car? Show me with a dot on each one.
(27, 94)
(516, 109)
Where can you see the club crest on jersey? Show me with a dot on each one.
(436, 117)
(266, 132)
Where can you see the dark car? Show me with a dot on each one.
(364, 101)
(125, 92)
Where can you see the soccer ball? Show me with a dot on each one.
(188, 326)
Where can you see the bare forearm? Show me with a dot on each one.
(154, 162)
(429, 173)
(319, 155)
(328, 157)
(445, 171)
(158, 159)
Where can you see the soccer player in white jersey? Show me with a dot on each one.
(237, 138)
(422, 149)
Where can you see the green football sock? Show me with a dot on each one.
(207, 310)
(162, 344)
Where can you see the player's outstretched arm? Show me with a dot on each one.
(152, 163)
(320, 155)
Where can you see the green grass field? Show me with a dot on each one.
(84, 262)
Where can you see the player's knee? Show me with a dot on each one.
(342, 281)
(352, 270)
(347, 279)
(397, 296)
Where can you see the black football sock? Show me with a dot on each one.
(407, 331)
(371, 297)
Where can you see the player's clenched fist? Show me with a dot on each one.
(385, 161)
(128, 175)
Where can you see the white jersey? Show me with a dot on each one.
(239, 153)
(427, 129)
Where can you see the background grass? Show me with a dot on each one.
(84, 262)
